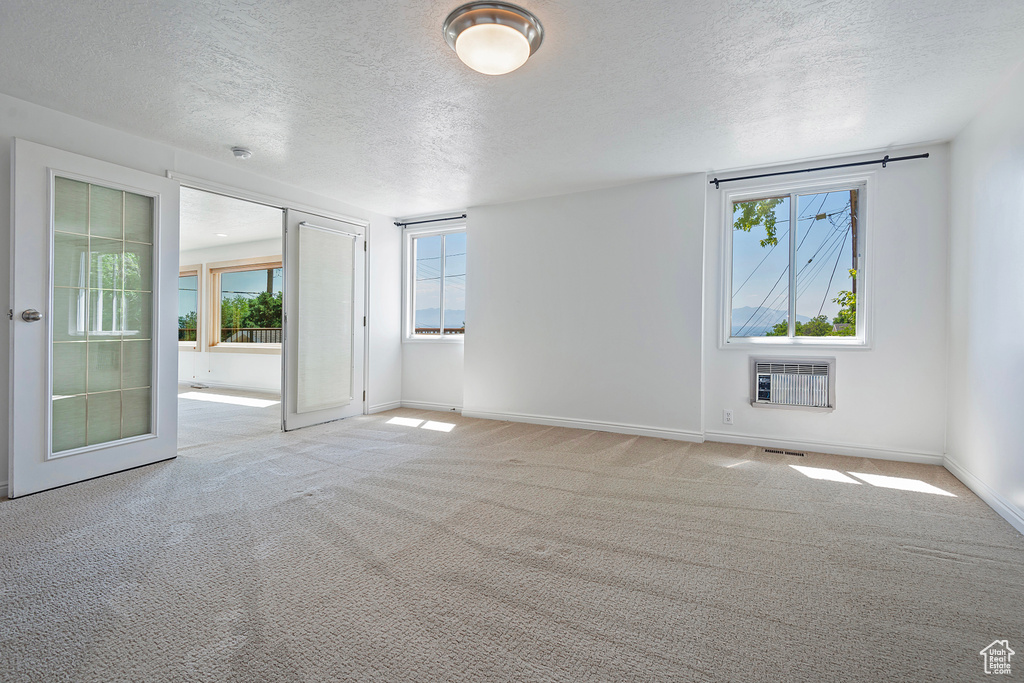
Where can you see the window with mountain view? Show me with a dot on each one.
(250, 305)
(439, 285)
(795, 262)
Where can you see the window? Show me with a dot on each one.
(249, 301)
(796, 265)
(436, 273)
(188, 306)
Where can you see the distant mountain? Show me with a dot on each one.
(760, 320)
(431, 317)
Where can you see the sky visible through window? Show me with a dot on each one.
(429, 278)
(250, 283)
(824, 259)
(188, 294)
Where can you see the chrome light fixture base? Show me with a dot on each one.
(502, 13)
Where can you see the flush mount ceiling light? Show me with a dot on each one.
(493, 37)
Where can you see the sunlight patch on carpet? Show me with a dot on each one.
(822, 473)
(233, 400)
(422, 424)
(405, 422)
(902, 484)
(438, 426)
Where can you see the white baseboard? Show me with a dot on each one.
(381, 407)
(425, 405)
(616, 427)
(825, 447)
(1003, 507)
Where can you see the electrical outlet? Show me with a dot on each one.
(727, 416)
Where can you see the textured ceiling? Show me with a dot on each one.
(362, 100)
(212, 220)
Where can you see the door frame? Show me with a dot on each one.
(196, 183)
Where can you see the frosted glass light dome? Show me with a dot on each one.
(493, 38)
(492, 49)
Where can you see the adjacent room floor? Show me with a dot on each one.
(211, 416)
(421, 546)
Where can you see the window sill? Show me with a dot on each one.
(452, 339)
(231, 347)
(778, 343)
(188, 346)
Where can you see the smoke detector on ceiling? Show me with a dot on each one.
(241, 152)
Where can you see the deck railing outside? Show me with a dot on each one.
(239, 335)
(251, 335)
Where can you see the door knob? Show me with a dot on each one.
(31, 315)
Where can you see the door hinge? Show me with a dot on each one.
(365, 247)
(10, 314)
(364, 395)
(364, 321)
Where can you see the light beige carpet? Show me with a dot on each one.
(370, 551)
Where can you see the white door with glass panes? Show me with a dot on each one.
(93, 320)
(324, 320)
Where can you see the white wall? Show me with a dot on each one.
(985, 446)
(432, 373)
(585, 309)
(890, 399)
(253, 371)
(46, 126)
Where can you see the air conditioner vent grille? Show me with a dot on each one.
(797, 383)
(791, 369)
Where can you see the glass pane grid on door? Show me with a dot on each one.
(102, 315)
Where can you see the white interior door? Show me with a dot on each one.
(94, 262)
(324, 323)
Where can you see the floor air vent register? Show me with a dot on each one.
(781, 452)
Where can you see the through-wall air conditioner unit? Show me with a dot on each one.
(793, 383)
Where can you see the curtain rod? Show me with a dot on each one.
(432, 220)
(883, 161)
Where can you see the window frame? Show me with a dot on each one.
(864, 182)
(197, 272)
(409, 289)
(214, 272)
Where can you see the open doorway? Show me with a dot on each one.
(230, 317)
